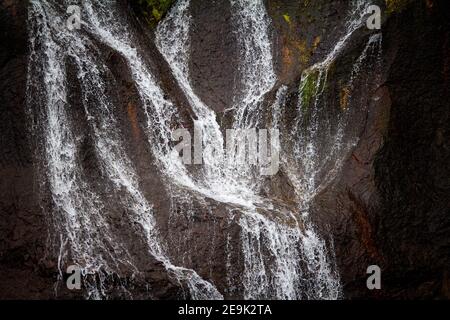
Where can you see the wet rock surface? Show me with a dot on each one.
(213, 53)
(388, 206)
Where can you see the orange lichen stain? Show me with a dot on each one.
(304, 52)
(132, 116)
(287, 58)
(344, 98)
(360, 216)
(296, 53)
(395, 6)
(316, 43)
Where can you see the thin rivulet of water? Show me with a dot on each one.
(316, 159)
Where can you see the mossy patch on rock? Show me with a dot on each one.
(287, 18)
(393, 6)
(344, 97)
(310, 85)
(152, 10)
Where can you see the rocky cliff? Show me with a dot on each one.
(384, 192)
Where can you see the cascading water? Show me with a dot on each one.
(173, 41)
(69, 193)
(283, 258)
(69, 189)
(322, 142)
(262, 279)
(256, 67)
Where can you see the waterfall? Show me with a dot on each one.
(262, 279)
(322, 143)
(287, 246)
(71, 195)
(172, 39)
(282, 256)
(256, 66)
(217, 182)
(77, 213)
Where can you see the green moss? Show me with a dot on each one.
(394, 6)
(287, 18)
(152, 10)
(309, 88)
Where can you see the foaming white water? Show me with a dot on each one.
(325, 282)
(256, 77)
(72, 195)
(256, 62)
(373, 47)
(173, 41)
(160, 111)
(218, 182)
(273, 250)
(320, 147)
(306, 258)
(150, 92)
(77, 213)
(278, 275)
(283, 260)
(263, 240)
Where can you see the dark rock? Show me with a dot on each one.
(389, 205)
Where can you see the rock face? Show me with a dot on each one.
(213, 56)
(388, 205)
(22, 222)
(413, 163)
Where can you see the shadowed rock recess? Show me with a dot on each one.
(88, 177)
